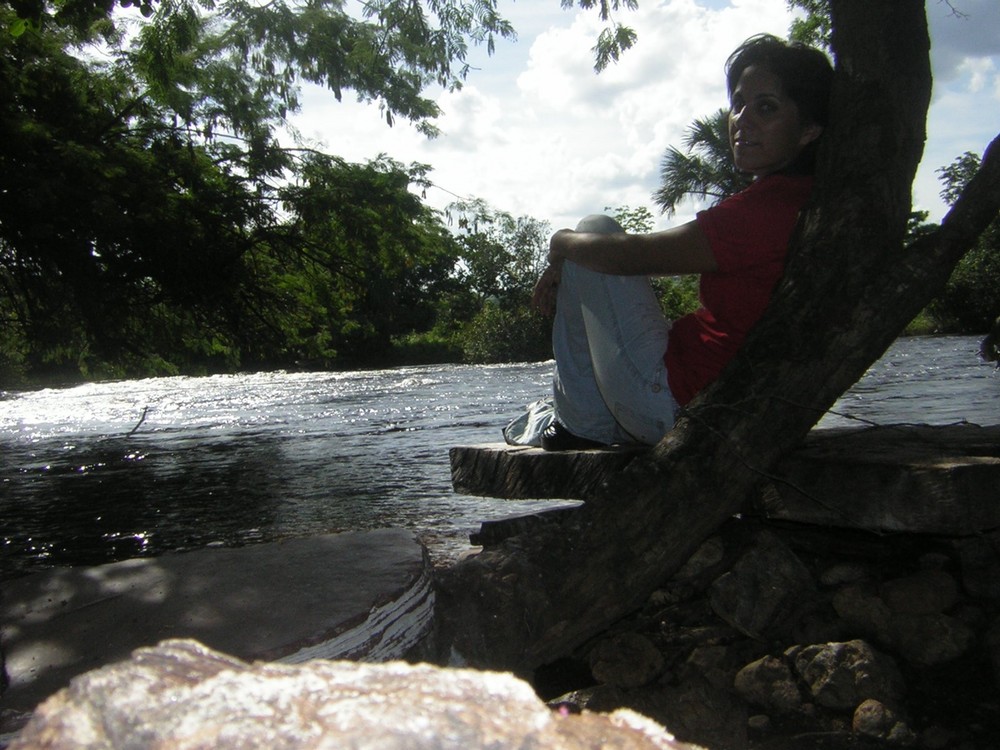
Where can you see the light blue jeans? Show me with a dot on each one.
(608, 337)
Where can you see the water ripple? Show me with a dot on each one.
(105, 471)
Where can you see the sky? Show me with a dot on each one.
(536, 132)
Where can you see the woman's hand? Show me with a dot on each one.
(558, 244)
(543, 298)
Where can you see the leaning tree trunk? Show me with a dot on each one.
(849, 290)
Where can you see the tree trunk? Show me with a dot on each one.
(849, 290)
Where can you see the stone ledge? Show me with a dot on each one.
(897, 478)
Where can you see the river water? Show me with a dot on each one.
(107, 471)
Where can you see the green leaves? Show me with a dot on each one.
(611, 44)
(956, 176)
(614, 40)
(813, 26)
(152, 218)
(18, 26)
(971, 298)
(501, 257)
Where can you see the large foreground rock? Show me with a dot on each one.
(358, 595)
(183, 696)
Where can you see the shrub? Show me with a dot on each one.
(497, 335)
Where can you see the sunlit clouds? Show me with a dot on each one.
(536, 132)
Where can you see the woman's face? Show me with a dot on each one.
(766, 132)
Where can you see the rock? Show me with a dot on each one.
(841, 573)
(519, 471)
(762, 588)
(925, 592)
(980, 563)
(843, 675)
(863, 611)
(993, 647)
(759, 723)
(906, 616)
(626, 660)
(707, 556)
(914, 479)
(937, 738)
(710, 662)
(934, 561)
(818, 627)
(694, 710)
(930, 640)
(769, 684)
(931, 480)
(491, 533)
(184, 696)
(874, 719)
(954, 702)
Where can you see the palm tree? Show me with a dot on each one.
(705, 170)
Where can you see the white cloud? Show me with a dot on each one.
(962, 118)
(536, 132)
(961, 29)
(981, 71)
(597, 140)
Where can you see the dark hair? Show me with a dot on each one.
(805, 74)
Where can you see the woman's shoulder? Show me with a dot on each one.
(770, 192)
(769, 206)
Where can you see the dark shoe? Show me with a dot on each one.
(558, 438)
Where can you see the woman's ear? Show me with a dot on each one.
(809, 134)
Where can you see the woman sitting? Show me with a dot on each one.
(622, 369)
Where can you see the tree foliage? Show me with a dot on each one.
(151, 220)
(152, 227)
(614, 39)
(500, 259)
(971, 298)
(813, 25)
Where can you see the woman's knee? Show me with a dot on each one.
(599, 224)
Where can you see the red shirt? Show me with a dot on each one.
(749, 235)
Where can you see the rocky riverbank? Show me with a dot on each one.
(773, 636)
(793, 636)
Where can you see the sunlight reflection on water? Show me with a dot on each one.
(104, 471)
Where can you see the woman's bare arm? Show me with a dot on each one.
(678, 250)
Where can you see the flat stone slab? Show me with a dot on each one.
(358, 595)
(910, 478)
(518, 472)
(924, 479)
